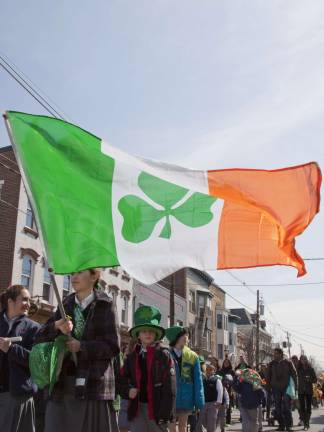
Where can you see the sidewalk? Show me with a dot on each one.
(317, 422)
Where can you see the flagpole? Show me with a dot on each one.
(52, 276)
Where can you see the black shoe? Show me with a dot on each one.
(280, 428)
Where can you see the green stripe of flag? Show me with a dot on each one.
(70, 181)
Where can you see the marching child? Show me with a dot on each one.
(248, 384)
(148, 375)
(190, 389)
(213, 390)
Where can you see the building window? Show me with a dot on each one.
(220, 351)
(124, 314)
(29, 216)
(66, 285)
(46, 285)
(219, 321)
(192, 301)
(201, 301)
(27, 272)
(180, 323)
(114, 296)
(226, 322)
(230, 336)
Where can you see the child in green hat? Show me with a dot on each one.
(148, 375)
(190, 389)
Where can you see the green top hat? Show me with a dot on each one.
(173, 333)
(147, 318)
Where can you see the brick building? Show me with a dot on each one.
(10, 184)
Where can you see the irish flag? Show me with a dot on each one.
(97, 206)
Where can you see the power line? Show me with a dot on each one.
(8, 159)
(276, 323)
(30, 82)
(13, 206)
(9, 168)
(306, 341)
(274, 285)
(241, 282)
(248, 286)
(30, 90)
(313, 259)
(242, 304)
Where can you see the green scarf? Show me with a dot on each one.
(79, 322)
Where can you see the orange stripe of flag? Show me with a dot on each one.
(263, 212)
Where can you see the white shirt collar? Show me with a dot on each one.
(83, 304)
(178, 352)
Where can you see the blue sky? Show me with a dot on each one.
(212, 84)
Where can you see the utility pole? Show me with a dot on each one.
(257, 349)
(288, 344)
(172, 293)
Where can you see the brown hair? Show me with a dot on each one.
(10, 293)
(229, 363)
(95, 271)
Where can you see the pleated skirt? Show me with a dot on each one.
(17, 414)
(74, 415)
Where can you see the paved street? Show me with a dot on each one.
(317, 422)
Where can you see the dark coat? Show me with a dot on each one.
(279, 374)
(161, 383)
(226, 371)
(14, 367)
(250, 399)
(99, 345)
(306, 379)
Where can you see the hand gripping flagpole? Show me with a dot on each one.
(61, 308)
(52, 276)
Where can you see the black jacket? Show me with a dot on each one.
(279, 373)
(99, 345)
(161, 379)
(14, 367)
(306, 379)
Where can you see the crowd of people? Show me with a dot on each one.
(70, 374)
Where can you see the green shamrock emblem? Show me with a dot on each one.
(140, 217)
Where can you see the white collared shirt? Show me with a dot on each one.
(83, 304)
(178, 352)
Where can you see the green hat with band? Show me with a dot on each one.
(147, 318)
(174, 333)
